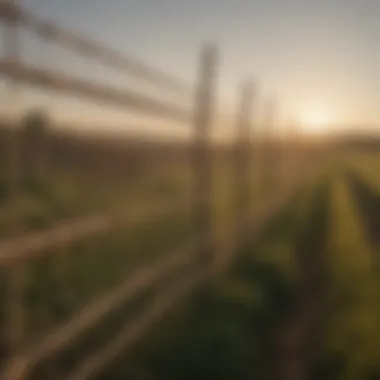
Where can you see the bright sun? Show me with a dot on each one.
(316, 120)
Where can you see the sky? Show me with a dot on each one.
(317, 57)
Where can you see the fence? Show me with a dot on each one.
(25, 358)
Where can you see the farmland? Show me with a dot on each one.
(301, 301)
(299, 298)
(58, 282)
(215, 240)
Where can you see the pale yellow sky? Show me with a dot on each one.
(319, 57)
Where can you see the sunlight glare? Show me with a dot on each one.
(316, 120)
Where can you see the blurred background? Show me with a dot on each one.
(189, 190)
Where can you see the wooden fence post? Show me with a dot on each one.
(15, 313)
(202, 148)
(11, 42)
(243, 157)
(297, 156)
(269, 151)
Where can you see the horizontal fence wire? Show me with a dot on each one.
(134, 331)
(75, 86)
(102, 306)
(49, 31)
(30, 246)
(16, 252)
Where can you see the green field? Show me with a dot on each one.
(59, 282)
(308, 285)
(233, 330)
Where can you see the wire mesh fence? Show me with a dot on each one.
(88, 234)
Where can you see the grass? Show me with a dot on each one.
(63, 281)
(226, 331)
(352, 329)
(249, 301)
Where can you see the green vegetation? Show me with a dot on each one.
(227, 331)
(62, 281)
(320, 247)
